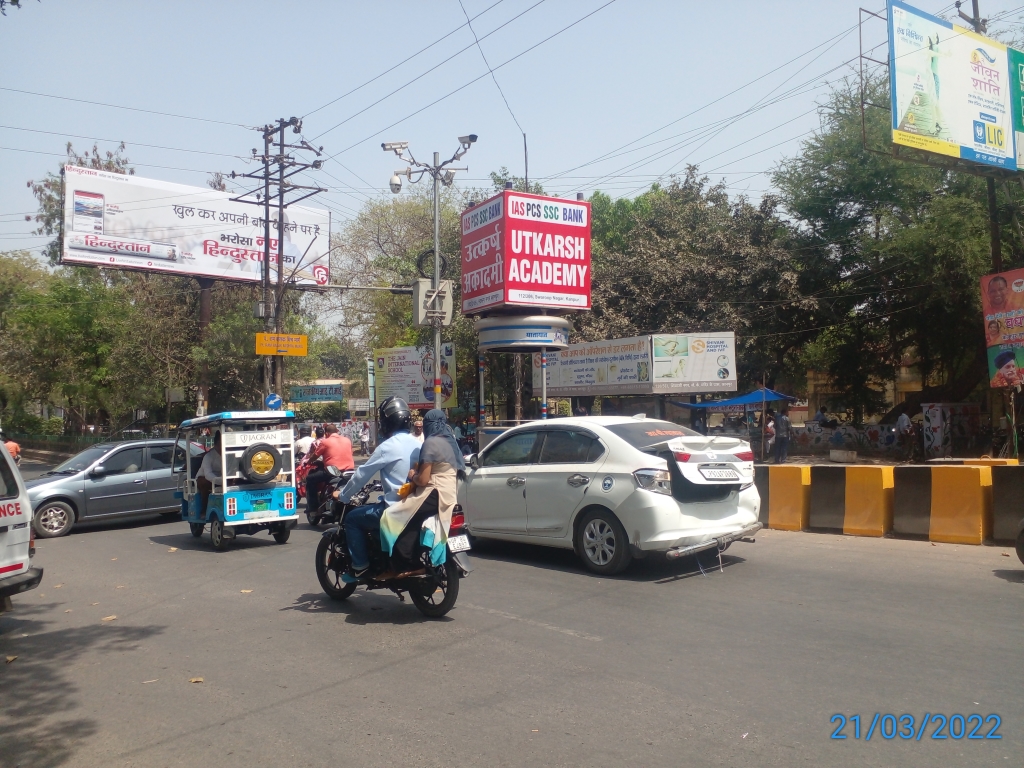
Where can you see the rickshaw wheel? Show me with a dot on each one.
(197, 529)
(281, 535)
(217, 535)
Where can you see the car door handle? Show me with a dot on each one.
(577, 480)
(515, 482)
(138, 482)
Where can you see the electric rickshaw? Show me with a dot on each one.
(256, 489)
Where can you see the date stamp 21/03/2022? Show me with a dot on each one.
(909, 727)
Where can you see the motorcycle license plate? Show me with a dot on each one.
(718, 474)
(458, 543)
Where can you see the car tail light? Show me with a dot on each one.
(680, 456)
(656, 480)
(289, 500)
(745, 456)
(31, 541)
(458, 523)
(232, 505)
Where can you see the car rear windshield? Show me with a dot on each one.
(644, 434)
(82, 460)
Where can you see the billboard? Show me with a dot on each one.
(1016, 60)
(1002, 302)
(523, 250)
(317, 393)
(949, 88)
(124, 222)
(408, 373)
(643, 365)
(284, 344)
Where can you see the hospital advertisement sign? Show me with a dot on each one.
(950, 89)
(1002, 302)
(119, 221)
(643, 365)
(408, 373)
(523, 250)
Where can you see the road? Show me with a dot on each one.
(540, 663)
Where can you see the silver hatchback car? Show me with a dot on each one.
(105, 481)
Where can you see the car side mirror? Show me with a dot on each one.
(98, 471)
(473, 461)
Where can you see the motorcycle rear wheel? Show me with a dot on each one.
(312, 517)
(331, 563)
(443, 600)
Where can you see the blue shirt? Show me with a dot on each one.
(393, 459)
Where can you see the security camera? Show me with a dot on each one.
(318, 164)
(394, 146)
(396, 183)
(471, 139)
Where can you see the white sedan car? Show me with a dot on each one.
(612, 488)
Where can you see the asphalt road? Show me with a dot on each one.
(540, 663)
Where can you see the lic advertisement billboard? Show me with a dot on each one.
(523, 250)
(950, 89)
(124, 222)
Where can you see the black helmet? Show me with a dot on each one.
(393, 416)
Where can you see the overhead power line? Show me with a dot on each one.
(118, 141)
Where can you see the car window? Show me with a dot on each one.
(82, 460)
(643, 433)
(124, 462)
(568, 447)
(8, 485)
(514, 449)
(160, 456)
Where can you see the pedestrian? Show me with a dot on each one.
(580, 410)
(417, 430)
(364, 439)
(783, 428)
(12, 448)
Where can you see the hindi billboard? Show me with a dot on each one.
(119, 221)
(523, 250)
(1002, 302)
(643, 365)
(408, 373)
(949, 89)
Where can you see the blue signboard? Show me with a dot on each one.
(273, 402)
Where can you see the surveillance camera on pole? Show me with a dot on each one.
(396, 183)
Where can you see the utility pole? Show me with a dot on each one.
(441, 173)
(269, 308)
(980, 26)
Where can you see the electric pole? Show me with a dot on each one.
(270, 307)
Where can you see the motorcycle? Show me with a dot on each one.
(329, 509)
(433, 589)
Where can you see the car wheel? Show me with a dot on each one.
(197, 529)
(602, 544)
(53, 519)
(1020, 546)
(217, 535)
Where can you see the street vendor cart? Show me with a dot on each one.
(253, 481)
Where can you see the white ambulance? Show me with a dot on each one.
(17, 538)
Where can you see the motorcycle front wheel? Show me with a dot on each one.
(331, 563)
(443, 599)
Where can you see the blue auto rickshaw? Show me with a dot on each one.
(255, 491)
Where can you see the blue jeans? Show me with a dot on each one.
(781, 449)
(359, 522)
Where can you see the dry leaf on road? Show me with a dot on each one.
(108, 618)
(68, 611)
(1005, 554)
(57, 586)
(119, 586)
(112, 559)
(195, 679)
(93, 603)
(150, 681)
(11, 658)
(246, 591)
(173, 549)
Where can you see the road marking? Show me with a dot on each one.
(531, 622)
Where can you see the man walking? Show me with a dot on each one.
(783, 428)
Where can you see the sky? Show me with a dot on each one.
(611, 95)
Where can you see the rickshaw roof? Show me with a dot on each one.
(219, 418)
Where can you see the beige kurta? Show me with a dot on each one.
(443, 479)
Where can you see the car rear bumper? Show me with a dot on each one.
(719, 542)
(23, 582)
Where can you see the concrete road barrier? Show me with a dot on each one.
(1007, 501)
(912, 500)
(961, 510)
(789, 488)
(869, 501)
(763, 490)
(828, 497)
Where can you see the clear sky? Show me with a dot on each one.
(597, 87)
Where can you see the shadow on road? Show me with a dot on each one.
(654, 568)
(43, 720)
(1015, 576)
(363, 607)
(122, 524)
(186, 541)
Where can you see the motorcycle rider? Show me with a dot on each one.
(336, 451)
(396, 453)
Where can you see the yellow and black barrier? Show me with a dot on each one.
(954, 503)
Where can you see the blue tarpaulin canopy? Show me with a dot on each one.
(758, 396)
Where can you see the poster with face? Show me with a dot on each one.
(1002, 302)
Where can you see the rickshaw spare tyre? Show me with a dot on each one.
(261, 463)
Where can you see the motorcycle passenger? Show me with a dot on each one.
(304, 443)
(434, 487)
(395, 455)
(336, 451)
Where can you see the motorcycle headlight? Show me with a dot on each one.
(656, 480)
